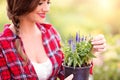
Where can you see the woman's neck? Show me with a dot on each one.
(27, 27)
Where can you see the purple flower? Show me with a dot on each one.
(73, 47)
(70, 40)
(82, 38)
(77, 37)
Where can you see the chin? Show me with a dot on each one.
(41, 21)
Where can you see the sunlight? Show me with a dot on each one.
(105, 4)
(105, 9)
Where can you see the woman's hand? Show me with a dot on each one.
(69, 77)
(99, 43)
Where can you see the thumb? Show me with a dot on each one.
(70, 77)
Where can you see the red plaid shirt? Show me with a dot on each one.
(11, 64)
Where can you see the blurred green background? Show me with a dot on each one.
(89, 17)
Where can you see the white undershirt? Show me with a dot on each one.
(43, 70)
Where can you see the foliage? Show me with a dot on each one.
(108, 71)
(78, 51)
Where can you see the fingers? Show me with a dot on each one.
(99, 43)
(102, 46)
(100, 39)
(99, 50)
(69, 77)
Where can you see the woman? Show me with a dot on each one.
(30, 48)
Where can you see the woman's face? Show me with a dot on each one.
(39, 14)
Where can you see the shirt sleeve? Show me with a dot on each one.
(61, 74)
(4, 71)
(91, 69)
(59, 54)
(61, 71)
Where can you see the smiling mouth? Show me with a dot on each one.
(42, 15)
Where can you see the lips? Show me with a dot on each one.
(42, 15)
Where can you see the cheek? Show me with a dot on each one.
(32, 17)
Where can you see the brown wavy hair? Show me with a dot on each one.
(15, 9)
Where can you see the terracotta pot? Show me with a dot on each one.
(80, 73)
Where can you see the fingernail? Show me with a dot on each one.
(71, 75)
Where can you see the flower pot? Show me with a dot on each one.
(80, 73)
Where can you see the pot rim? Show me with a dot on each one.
(79, 67)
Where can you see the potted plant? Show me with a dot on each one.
(78, 55)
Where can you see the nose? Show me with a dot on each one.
(46, 7)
